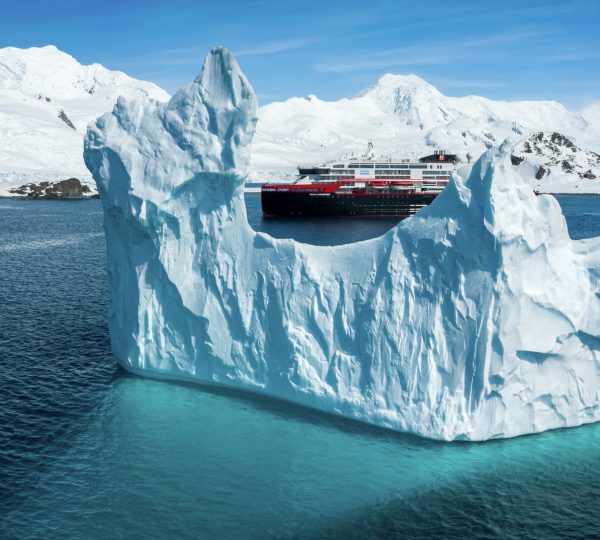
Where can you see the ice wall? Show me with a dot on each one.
(477, 318)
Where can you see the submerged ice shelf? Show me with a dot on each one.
(476, 318)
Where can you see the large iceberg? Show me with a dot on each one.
(477, 318)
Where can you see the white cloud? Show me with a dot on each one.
(277, 46)
(427, 54)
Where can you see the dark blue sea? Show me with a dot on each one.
(88, 451)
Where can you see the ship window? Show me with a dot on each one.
(338, 166)
(365, 165)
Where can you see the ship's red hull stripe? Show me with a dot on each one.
(336, 185)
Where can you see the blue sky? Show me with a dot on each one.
(525, 49)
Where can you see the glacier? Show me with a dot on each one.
(477, 318)
(47, 99)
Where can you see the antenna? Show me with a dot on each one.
(369, 154)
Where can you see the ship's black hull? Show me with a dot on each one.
(290, 203)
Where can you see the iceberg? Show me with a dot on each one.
(477, 318)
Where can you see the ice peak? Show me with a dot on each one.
(223, 107)
(221, 80)
(416, 101)
(33, 50)
(33, 58)
(54, 73)
(389, 85)
(205, 130)
(392, 80)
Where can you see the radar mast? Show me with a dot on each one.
(369, 154)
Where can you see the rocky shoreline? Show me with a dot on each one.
(69, 189)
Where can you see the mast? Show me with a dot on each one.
(369, 154)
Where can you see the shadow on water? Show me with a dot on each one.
(479, 506)
(530, 487)
(542, 485)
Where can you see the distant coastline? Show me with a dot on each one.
(27, 198)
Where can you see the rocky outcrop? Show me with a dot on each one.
(71, 188)
(63, 116)
(555, 151)
(540, 173)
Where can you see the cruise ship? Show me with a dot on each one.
(361, 187)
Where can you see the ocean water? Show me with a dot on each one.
(88, 451)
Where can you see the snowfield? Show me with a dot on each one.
(402, 114)
(405, 115)
(37, 86)
(475, 319)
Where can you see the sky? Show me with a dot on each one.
(509, 49)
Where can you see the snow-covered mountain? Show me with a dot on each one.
(403, 114)
(558, 165)
(47, 99)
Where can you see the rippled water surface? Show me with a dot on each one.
(87, 451)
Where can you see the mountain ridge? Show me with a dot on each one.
(406, 115)
(47, 98)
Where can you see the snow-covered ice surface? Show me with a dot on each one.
(476, 318)
(36, 86)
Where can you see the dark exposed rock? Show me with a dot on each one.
(63, 116)
(553, 152)
(540, 173)
(70, 188)
(561, 140)
(516, 160)
(566, 166)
